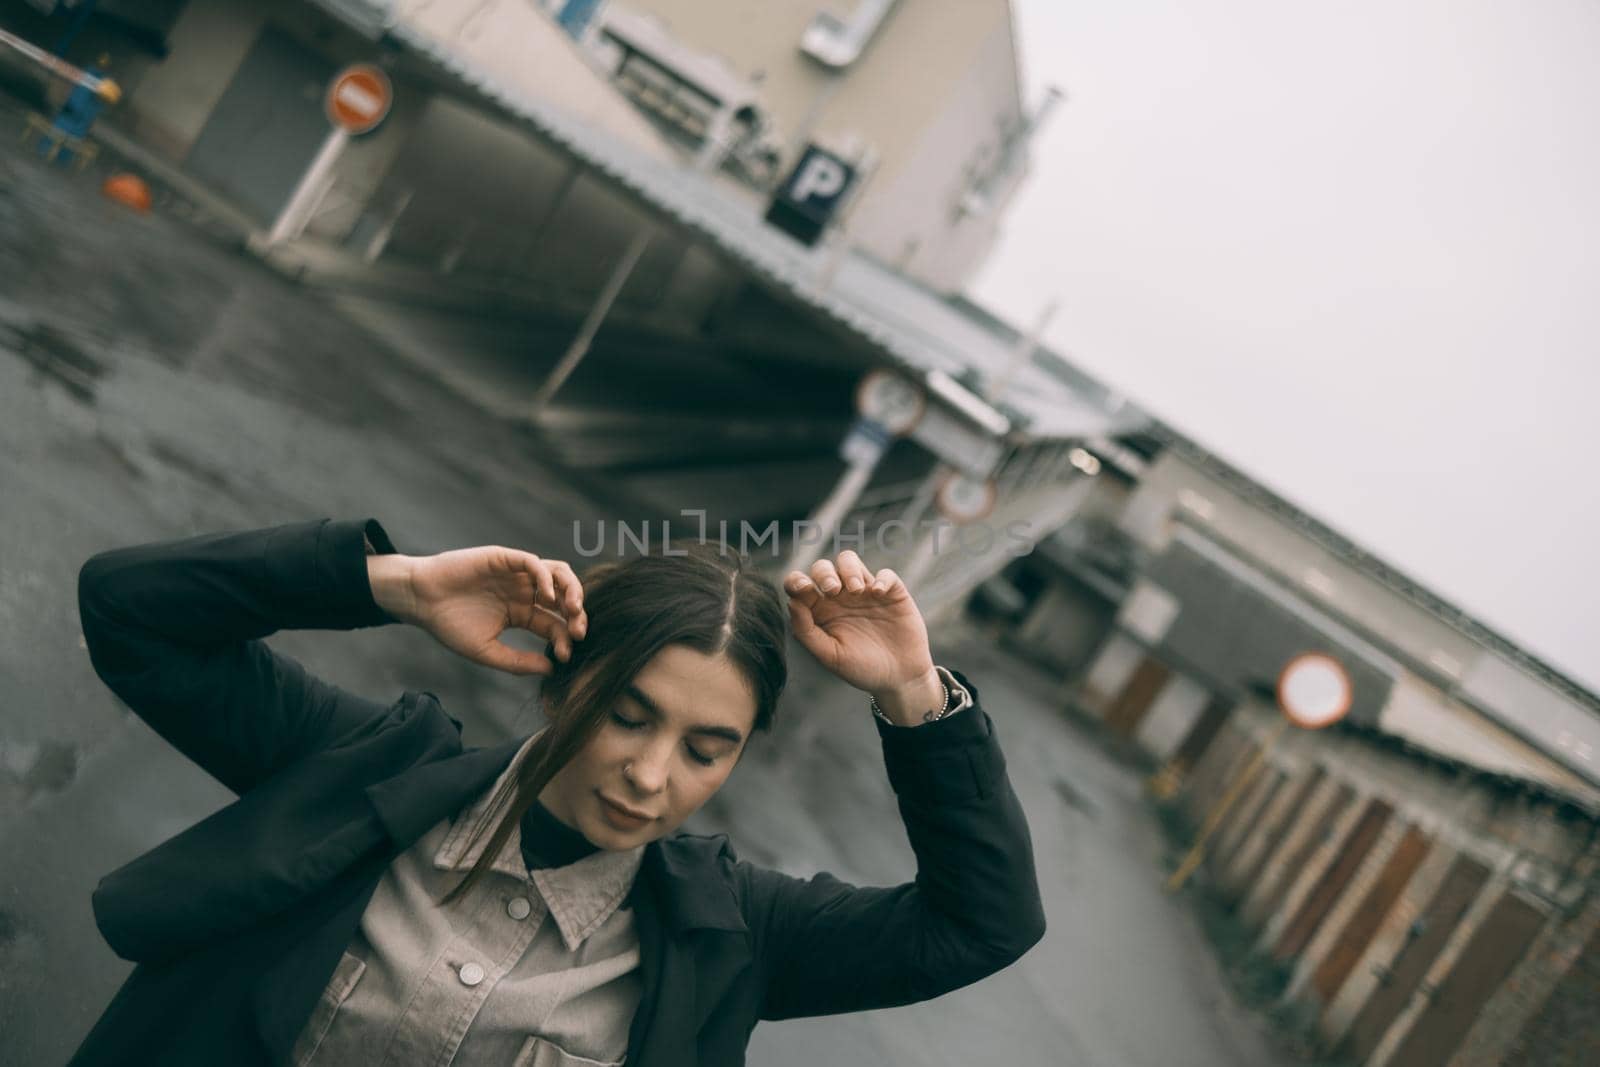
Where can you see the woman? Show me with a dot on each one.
(380, 894)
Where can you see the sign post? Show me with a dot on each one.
(887, 406)
(357, 100)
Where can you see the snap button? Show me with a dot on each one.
(519, 908)
(471, 973)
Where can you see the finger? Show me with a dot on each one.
(801, 588)
(571, 590)
(544, 586)
(800, 616)
(554, 628)
(813, 638)
(826, 577)
(502, 656)
(805, 628)
(852, 571)
(886, 581)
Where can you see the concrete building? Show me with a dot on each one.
(1221, 547)
(921, 97)
(1427, 869)
(924, 95)
(1428, 912)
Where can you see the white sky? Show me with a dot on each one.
(1354, 249)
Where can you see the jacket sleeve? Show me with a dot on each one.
(825, 946)
(174, 628)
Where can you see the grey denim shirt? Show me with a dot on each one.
(535, 969)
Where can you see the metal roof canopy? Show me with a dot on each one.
(1383, 655)
(913, 328)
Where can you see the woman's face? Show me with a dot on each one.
(679, 729)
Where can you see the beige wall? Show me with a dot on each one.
(906, 215)
(928, 94)
(521, 49)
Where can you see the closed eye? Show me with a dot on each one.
(633, 724)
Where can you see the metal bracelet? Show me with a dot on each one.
(872, 701)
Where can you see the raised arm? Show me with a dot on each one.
(973, 909)
(174, 629)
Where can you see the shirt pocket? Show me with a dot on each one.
(542, 1052)
(337, 991)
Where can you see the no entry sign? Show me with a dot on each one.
(358, 98)
(962, 498)
(1314, 690)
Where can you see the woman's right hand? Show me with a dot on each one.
(466, 598)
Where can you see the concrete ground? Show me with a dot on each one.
(154, 384)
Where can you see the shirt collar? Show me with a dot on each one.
(581, 896)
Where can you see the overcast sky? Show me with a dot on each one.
(1354, 249)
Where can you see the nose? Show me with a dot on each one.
(647, 771)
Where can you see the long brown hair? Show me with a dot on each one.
(707, 599)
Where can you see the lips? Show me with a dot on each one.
(642, 816)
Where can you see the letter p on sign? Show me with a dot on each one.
(819, 177)
(816, 187)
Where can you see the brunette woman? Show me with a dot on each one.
(380, 894)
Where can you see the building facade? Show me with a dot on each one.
(926, 100)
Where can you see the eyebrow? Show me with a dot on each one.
(726, 733)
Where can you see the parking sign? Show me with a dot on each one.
(808, 198)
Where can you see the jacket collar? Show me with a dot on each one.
(692, 882)
(689, 872)
(412, 801)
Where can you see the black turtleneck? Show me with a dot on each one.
(549, 842)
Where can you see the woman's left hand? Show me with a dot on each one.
(864, 627)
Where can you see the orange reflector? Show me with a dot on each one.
(129, 190)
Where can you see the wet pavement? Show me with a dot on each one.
(156, 384)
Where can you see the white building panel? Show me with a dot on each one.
(1171, 715)
(1148, 611)
(1119, 657)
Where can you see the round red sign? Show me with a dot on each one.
(358, 98)
(1314, 690)
(962, 498)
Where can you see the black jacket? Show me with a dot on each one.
(237, 923)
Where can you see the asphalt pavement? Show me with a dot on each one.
(156, 383)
